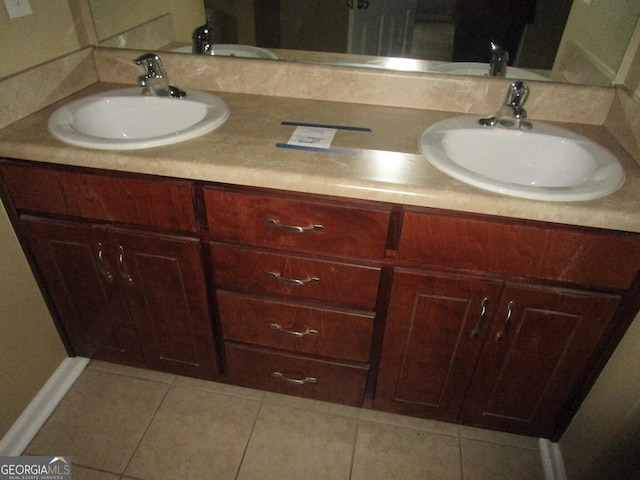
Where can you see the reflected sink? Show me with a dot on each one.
(126, 119)
(231, 50)
(544, 163)
(482, 70)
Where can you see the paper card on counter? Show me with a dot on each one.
(315, 137)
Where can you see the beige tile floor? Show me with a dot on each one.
(120, 423)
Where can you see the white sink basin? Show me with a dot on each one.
(125, 119)
(544, 163)
(482, 70)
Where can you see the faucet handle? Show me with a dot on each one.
(517, 94)
(512, 114)
(152, 64)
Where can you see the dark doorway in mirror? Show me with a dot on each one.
(481, 23)
(432, 40)
(534, 47)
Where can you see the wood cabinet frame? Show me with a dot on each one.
(527, 262)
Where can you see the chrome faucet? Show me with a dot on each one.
(512, 114)
(202, 40)
(155, 81)
(499, 61)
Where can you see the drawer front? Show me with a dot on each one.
(262, 220)
(132, 200)
(296, 375)
(331, 283)
(295, 328)
(584, 256)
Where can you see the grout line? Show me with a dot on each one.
(461, 450)
(164, 397)
(430, 430)
(355, 444)
(218, 392)
(246, 447)
(506, 442)
(130, 374)
(93, 468)
(310, 405)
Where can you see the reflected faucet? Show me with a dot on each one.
(155, 81)
(512, 114)
(499, 61)
(202, 40)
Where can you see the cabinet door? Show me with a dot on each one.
(165, 288)
(80, 275)
(434, 333)
(535, 355)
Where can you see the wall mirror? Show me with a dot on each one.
(562, 40)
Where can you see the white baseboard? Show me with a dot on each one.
(42, 405)
(552, 462)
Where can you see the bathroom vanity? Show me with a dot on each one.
(489, 321)
(366, 278)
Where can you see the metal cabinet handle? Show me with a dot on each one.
(350, 4)
(507, 322)
(293, 281)
(294, 381)
(291, 228)
(363, 4)
(103, 270)
(121, 268)
(480, 322)
(293, 333)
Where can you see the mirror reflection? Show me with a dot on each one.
(561, 40)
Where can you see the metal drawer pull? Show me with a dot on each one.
(507, 322)
(293, 281)
(291, 228)
(480, 322)
(293, 333)
(103, 270)
(294, 381)
(121, 268)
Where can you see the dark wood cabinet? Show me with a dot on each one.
(126, 296)
(489, 354)
(86, 291)
(434, 333)
(297, 291)
(165, 287)
(498, 323)
(295, 327)
(119, 257)
(298, 224)
(536, 352)
(483, 320)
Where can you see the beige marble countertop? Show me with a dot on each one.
(383, 165)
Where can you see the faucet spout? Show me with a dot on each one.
(202, 40)
(155, 80)
(499, 61)
(512, 114)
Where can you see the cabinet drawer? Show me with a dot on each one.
(523, 249)
(133, 200)
(296, 375)
(263, 220)
(295, 328)
(332, 283)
